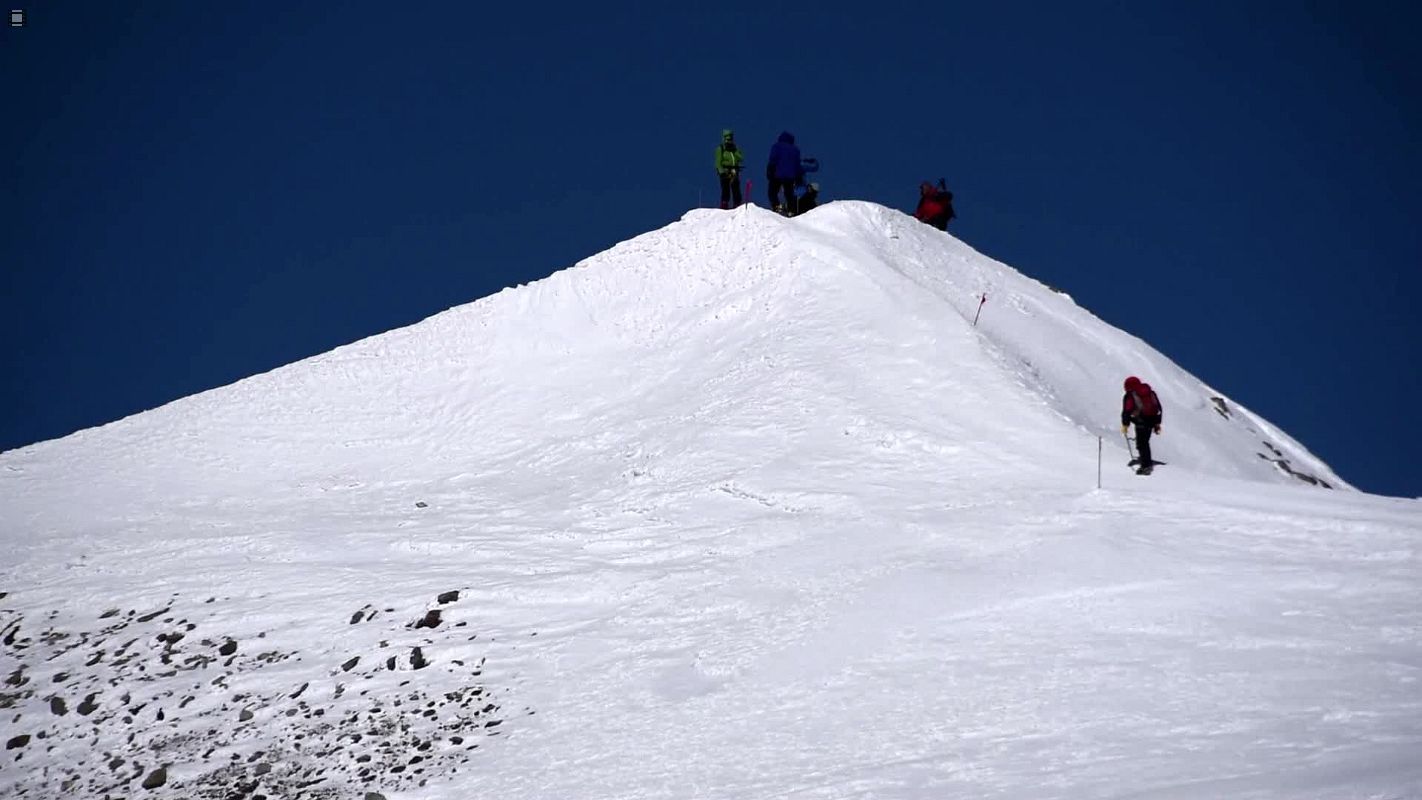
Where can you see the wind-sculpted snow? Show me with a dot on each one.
(743, 507)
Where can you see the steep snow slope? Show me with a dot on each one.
(741, 507)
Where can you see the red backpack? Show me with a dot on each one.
(1144, 401)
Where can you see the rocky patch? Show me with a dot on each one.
(1284, 466)
(165, 704)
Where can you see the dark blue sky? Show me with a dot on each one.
(197, 192)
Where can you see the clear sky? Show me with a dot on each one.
(197, 192)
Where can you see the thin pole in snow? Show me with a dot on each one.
(980, 309)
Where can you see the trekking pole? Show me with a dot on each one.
(1129, 448)
(980, 309)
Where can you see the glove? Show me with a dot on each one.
(1125, 429)
(1157, 430)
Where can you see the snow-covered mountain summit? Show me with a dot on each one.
(744, 506)
(851, 319)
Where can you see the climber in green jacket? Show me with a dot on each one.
(728, 169)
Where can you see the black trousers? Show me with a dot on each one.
(1143, 444)
(789, 185)
(730, 189)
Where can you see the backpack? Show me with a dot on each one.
(1144, 402)
(946, 198)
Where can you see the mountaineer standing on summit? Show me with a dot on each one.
(728, 169)
(784, 171)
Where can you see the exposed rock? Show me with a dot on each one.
(245, 716)
(417, 659)
(18, 741)
(88, 706)
(350, 664)
(228, 648)
(431, 619)
(154, 615)
(156, 778)
(57, 706)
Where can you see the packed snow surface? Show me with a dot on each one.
(745, 507)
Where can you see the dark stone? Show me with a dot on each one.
(448, 597)
(357, 617)
(18, 741)
(374, 796)
(349, 665)
(113, 612)
(422, 504)
(57, 707)
(430, 620)
(493, 723)
(245, 716)
(156, 778)
(390, 663)
(61, 677)
(228, 648)
(88, 706)
(262, 769)
(417, 659)
(298, 692)
(154, 615)
(115, 764)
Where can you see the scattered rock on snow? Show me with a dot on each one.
(156, 778)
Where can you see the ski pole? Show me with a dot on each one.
(980, 310)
